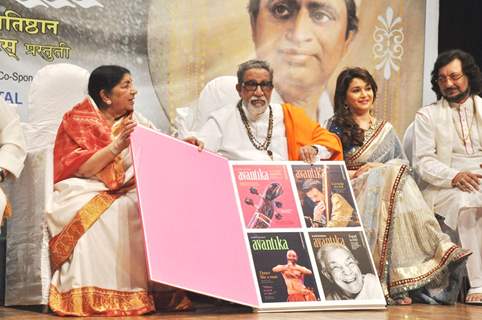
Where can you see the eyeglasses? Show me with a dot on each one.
(452, 77)
(252, 85)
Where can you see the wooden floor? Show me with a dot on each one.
(415, 312)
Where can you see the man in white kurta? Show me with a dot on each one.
(225, 134)
(12, 148)
(262, 134)
(448, 155)
(221, 92)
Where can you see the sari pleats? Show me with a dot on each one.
(408, 246)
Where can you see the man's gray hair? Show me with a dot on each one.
(326, 248)
(253, 64)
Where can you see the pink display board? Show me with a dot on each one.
(249, 232)
(193, 232)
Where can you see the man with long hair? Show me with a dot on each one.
(448, 154)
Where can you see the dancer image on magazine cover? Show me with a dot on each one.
(293, 275)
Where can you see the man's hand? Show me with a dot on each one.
(319, 215)
(467, 181)
(366, 167)
(308, 153)
(195, 141)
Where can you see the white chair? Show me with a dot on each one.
(55, 89)
(217, 93)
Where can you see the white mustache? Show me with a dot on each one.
(253, 99)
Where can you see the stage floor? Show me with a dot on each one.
(416, 311)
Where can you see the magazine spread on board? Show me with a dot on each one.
(283, 236)
(302, 227)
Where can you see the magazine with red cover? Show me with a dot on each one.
(266, 196)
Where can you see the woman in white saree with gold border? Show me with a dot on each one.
(97, 248)
(412, 255)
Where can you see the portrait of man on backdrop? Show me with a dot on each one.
(307, 42)
(303, 41)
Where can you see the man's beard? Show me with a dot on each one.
(460, 97)
(255, 112)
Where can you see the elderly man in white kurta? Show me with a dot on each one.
(254, 129)
(220, 92)
(12, 150)
(448, 154)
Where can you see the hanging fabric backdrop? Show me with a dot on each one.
(173, 48)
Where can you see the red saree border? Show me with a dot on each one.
(89, 301)
(365, 145)
(393, 194)
(442, 262)
(448, 255)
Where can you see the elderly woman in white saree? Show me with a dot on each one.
(97, 248)
(412, 255)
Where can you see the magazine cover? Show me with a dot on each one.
(266, 196)
(325, 196)
(344, 266)
(283, 267)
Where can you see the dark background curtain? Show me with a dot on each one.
(460, 27)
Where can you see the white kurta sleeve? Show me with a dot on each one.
(429, 168)
(12, 141)
(211, 135)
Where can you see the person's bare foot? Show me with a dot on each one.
(474, 298)
(404, 301)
